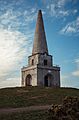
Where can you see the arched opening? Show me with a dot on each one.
(32, 61)
(48, 80)
(28, 81)
(45, 62)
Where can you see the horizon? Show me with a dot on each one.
(17, 27)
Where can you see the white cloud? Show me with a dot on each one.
(75, 11)
(72, 27)
(61, 3)
(58, 8)
(76, 73)
(9, 20)
(77, 62)
(64, 13)
(58, 12)
(15, 41)
(11, 82)
(71, 79)
(66, 80)
(15, 20)
(31, 17)
(68, 29)
(12, 50)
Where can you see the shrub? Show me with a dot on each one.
(68, 110)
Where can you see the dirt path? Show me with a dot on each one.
(22, 109)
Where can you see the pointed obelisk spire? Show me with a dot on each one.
(40, 44)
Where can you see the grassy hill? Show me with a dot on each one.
(29, 96)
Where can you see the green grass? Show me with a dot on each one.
(29, 96)
(34, 115)
(20, 97)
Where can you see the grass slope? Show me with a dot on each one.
(29, 96)
(35, 115)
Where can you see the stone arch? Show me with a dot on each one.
(32, 61)
(45, 62)
(28, 80)
(48, 80)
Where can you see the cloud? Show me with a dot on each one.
(16, 35)
(15, 43)
(77, 63)
(58, 11)
(77, 60)
(76, 72)
(67, 29)
(71, 28)
(12, 50)
(58, 8)
(30, 16)
(71, 79)
(75, 11)
(11, 82)
(12, 20)
(66, 80)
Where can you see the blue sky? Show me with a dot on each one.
(17, 26)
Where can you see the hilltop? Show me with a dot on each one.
(29, 96)
(19, 97)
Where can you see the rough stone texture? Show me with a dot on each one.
(33, 72)
(52, 73)
(40, 44)
(40, 70)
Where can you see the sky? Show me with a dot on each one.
(17, 27)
